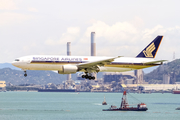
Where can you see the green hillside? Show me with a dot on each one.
(16, 77)
(170, 68)
(38, 77)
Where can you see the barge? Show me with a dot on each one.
(126, 107)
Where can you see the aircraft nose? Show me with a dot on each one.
(14, 63)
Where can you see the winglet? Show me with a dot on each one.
(151, 50)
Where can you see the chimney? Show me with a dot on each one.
(93, 44)
(68, 54)
(93, 49)
(68, 49)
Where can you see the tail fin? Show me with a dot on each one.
(151, 50)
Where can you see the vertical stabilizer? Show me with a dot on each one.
(151, 50)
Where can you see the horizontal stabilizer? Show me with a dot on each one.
(154, 62)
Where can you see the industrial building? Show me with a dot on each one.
(2, 85)
(152, 87)
(122, 77)
(139, 76)
(166, 78)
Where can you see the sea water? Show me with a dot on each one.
(85, 106)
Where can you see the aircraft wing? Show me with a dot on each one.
(96, 63)
(153, 62)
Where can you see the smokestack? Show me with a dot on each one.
(93, 44)
(93, 49)
(68, 54)
(68, 49)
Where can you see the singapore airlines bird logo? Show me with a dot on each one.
(149, 50)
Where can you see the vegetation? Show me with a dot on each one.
(171, 68)
(38, 77)
(16, 77)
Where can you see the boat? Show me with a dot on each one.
(104, 102)
(176, 91)
(126, 107)
(178, 108)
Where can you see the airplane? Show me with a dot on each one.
(91, 64)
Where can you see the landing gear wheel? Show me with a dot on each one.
(25, 74)
(89, 77)
(83, 76)
(93, 78)
(86, 76)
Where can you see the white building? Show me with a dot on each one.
(166, 79)
(156, 87)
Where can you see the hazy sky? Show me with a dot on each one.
(123, 28)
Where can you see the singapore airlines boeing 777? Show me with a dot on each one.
(91, 64)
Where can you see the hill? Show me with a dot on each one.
(16, 77)
(172, 69)
(8, 65)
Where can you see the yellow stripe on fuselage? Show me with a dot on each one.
(131, 66)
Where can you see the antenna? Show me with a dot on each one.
(174, 56)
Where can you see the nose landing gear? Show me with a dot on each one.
(25, 74)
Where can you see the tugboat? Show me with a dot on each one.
(104, 102)
(125, 106)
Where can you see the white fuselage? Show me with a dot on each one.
(55, 63)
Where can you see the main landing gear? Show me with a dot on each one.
(88, 77)
(25, 74)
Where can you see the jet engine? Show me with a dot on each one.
(68, 69)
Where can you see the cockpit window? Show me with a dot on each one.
(16, 59)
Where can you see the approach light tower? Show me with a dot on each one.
(68, 54)
(93, 49)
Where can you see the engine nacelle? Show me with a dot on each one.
(102, 69)
(68, 69)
